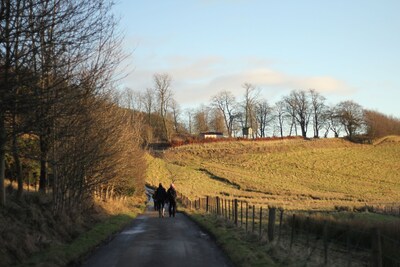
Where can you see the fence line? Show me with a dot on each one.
(365, 247)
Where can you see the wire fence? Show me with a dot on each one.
(311, 241)
(386, 209)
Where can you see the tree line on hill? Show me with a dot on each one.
(60, 122)
(302, 112)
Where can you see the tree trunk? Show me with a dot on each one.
(2, 159)
(166, 132)
(17, 162)
(303, 128)
(43, 165)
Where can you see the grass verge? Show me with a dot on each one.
(241, 248)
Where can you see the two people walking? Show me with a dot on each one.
(161, 197)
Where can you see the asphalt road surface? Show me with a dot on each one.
(157, 242)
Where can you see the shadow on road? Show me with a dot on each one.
(153, 241)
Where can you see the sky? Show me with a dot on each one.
(344, 49)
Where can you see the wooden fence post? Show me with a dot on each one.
(241, 213)
(271, 223)
(236, 211)
(376, 248)
(226, 212)
(214, 205)
(229, 209)
(247, 215)
(218, 207)
(280, 224)
(307, 230)
(254, 217)
(260, 230)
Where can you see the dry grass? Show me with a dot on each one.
(293, 174)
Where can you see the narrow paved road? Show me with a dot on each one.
(153, 241)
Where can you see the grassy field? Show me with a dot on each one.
(292, 174)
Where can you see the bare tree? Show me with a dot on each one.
(14, 53)
(318, 111)
(201, 119)
(98, 152)
(250, 97)
(5, 90)
(189, 113)
(351, 116)
(54, 53)
(217, 122)
(332, 121)
(148, 99)
(298, 105)
(226, 103)
(280, 114)
(379, 125)
(129, 99)
(264, 116)
(3, 140)
(162, 86)
(176, 112)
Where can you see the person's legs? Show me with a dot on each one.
(162, 208)
(159, 208)
(173, 208)
(170, 209)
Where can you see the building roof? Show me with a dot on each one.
(216, 133)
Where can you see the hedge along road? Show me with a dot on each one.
(153, 241)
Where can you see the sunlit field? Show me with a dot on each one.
(293, 174)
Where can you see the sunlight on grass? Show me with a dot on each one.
(295, 174)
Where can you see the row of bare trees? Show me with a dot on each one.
(302, 112)
(57, 62)
(294, 114)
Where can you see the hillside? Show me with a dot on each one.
(295, 174)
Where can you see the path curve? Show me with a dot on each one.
(152, 241)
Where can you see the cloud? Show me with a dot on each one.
(196, 70)
(323, 84)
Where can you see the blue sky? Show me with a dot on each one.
(345, 49)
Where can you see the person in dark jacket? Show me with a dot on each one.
(161, 196)
(171, 193)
